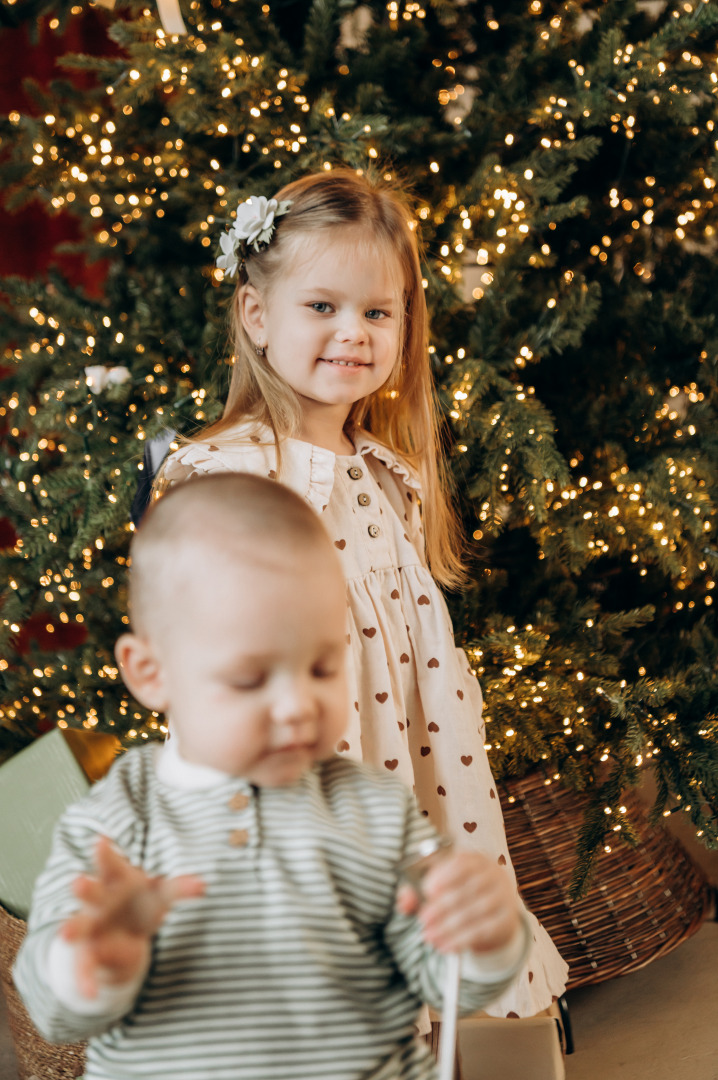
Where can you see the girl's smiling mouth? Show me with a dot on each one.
(343, 361)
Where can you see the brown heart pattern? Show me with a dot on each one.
(395, 594)
(341, 544)
(272, 474)
(391, 764)
(369, 631)
(502, 860)
(433, 662)
(441, 791)
(343, 745)
(423, 599)
(403, 659)
(356, 706)
(401, 726)
(469, 826)
(492, 794)
(466, 759)
(460, 695)
(381, 698)
(425, 750)
(433, 727)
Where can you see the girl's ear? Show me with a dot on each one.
(251, 312)
(141, 671)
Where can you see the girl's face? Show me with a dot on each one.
(331, 323)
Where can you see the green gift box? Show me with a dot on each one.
(35, 787)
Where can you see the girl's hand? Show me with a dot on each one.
(468, 903)
(121, 910)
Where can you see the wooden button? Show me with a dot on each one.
(373, 531)
(363, 499)
(355, 472)
(238, 838)
(239, 801)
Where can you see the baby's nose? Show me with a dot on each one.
(295, 705)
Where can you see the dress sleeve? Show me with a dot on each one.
(306, 469)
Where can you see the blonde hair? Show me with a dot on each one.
(403, 413)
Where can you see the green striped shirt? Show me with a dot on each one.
(294, 965)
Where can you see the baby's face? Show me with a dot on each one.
(254, 666)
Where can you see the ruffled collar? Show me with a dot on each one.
(369, 447)
(309, 469)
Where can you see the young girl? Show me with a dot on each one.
(332, 395)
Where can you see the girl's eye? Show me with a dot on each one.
(321, 307)
(374, 313)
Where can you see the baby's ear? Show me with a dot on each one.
(141, 671)
(251, 312)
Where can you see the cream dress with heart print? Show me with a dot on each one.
(415, 703)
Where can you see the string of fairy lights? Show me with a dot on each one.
(87, 166)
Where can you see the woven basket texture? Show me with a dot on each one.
(36, 1059)
(642, 901)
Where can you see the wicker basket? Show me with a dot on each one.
(36, 1059)
(641, 904)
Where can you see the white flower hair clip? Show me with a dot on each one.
(253, 228)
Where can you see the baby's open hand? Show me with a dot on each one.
(121, 910)
(468, 903)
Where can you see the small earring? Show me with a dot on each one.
(259, 349)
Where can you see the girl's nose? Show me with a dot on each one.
(351, 329)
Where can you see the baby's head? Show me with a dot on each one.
(369, 225)
(238, 615)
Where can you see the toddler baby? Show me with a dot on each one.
(230, 904)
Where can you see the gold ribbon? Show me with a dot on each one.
(169, 13)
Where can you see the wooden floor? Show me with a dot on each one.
(660, 1023)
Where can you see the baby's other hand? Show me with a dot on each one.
(121, 909)
(468, 903)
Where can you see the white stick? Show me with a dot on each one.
(447, 1039)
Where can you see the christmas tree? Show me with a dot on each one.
(561, 158)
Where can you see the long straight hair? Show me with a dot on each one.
(403, 413)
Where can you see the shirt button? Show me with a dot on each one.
(363, 499)
(355, 472)
(238, 838)
(373, 530)
(239, 801)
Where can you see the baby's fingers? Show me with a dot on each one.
(407, 900)
(183, 887)
(79, 927)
